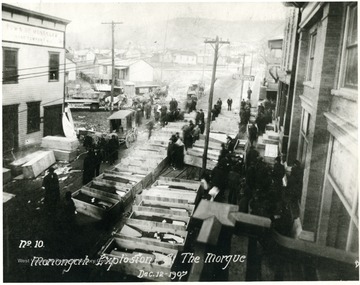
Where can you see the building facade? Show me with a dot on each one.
(33, 46)
(320, 109)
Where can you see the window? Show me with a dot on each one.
(10, 65)
(33, 117)
(311, 57)
(53, 66)
(350, 79)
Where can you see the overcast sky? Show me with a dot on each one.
(86, 16)
(141, 13)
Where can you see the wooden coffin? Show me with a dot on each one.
(149, 232)
(197, 161)
(172, 221)
(146, 202)
(200, 152)
(187, 184)
(95, 203)
(142, 179)
(63, 155)
(155, 154)
(212, 145)
(38, 164)
(132, 183)
(271, 152)
(120, 251)
(122, 190)
(267, 140)
(60, 143)
(166, 192)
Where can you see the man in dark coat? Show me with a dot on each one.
(249, 92)
(229, 102)
(278, 173)
(113, 149)
(52, 190)
(89, 167)
(234, 179)
(97, 158)
(253, 133)
(202, 121)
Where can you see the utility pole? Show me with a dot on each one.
(208, 121)
(163, 53)
(242, 79)
(251, 63)
(112, 23)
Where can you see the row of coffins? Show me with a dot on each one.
(156, 231)
(115, 189)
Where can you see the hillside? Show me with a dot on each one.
(182, 33)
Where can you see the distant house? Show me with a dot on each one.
(85, 55)
(179, 57)
(135, 70)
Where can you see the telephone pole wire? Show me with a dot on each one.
(112, 23)
(217, 42)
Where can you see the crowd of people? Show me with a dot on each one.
(100, 150)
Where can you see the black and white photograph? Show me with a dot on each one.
(179, 141)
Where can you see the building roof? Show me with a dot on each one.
(185, 52)
(26, 12)
(120, 114)
(120, 63)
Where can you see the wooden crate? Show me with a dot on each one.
(38, 164)
(143, 179)
(117, 248)
(149, 227)
(173, 222)
(144, 201)
(84, 205)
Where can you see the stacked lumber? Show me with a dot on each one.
(65, 149)
(158, 223)
(38, 164)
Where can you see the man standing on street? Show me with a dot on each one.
(52, 190)
(229, 102)
(249, 92)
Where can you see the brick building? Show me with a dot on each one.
(318, 117)
(33, 76)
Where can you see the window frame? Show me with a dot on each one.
(345, 48)
(16, 77)
(311, 57)
(304, 133)
(50, 67)
(33, 127)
